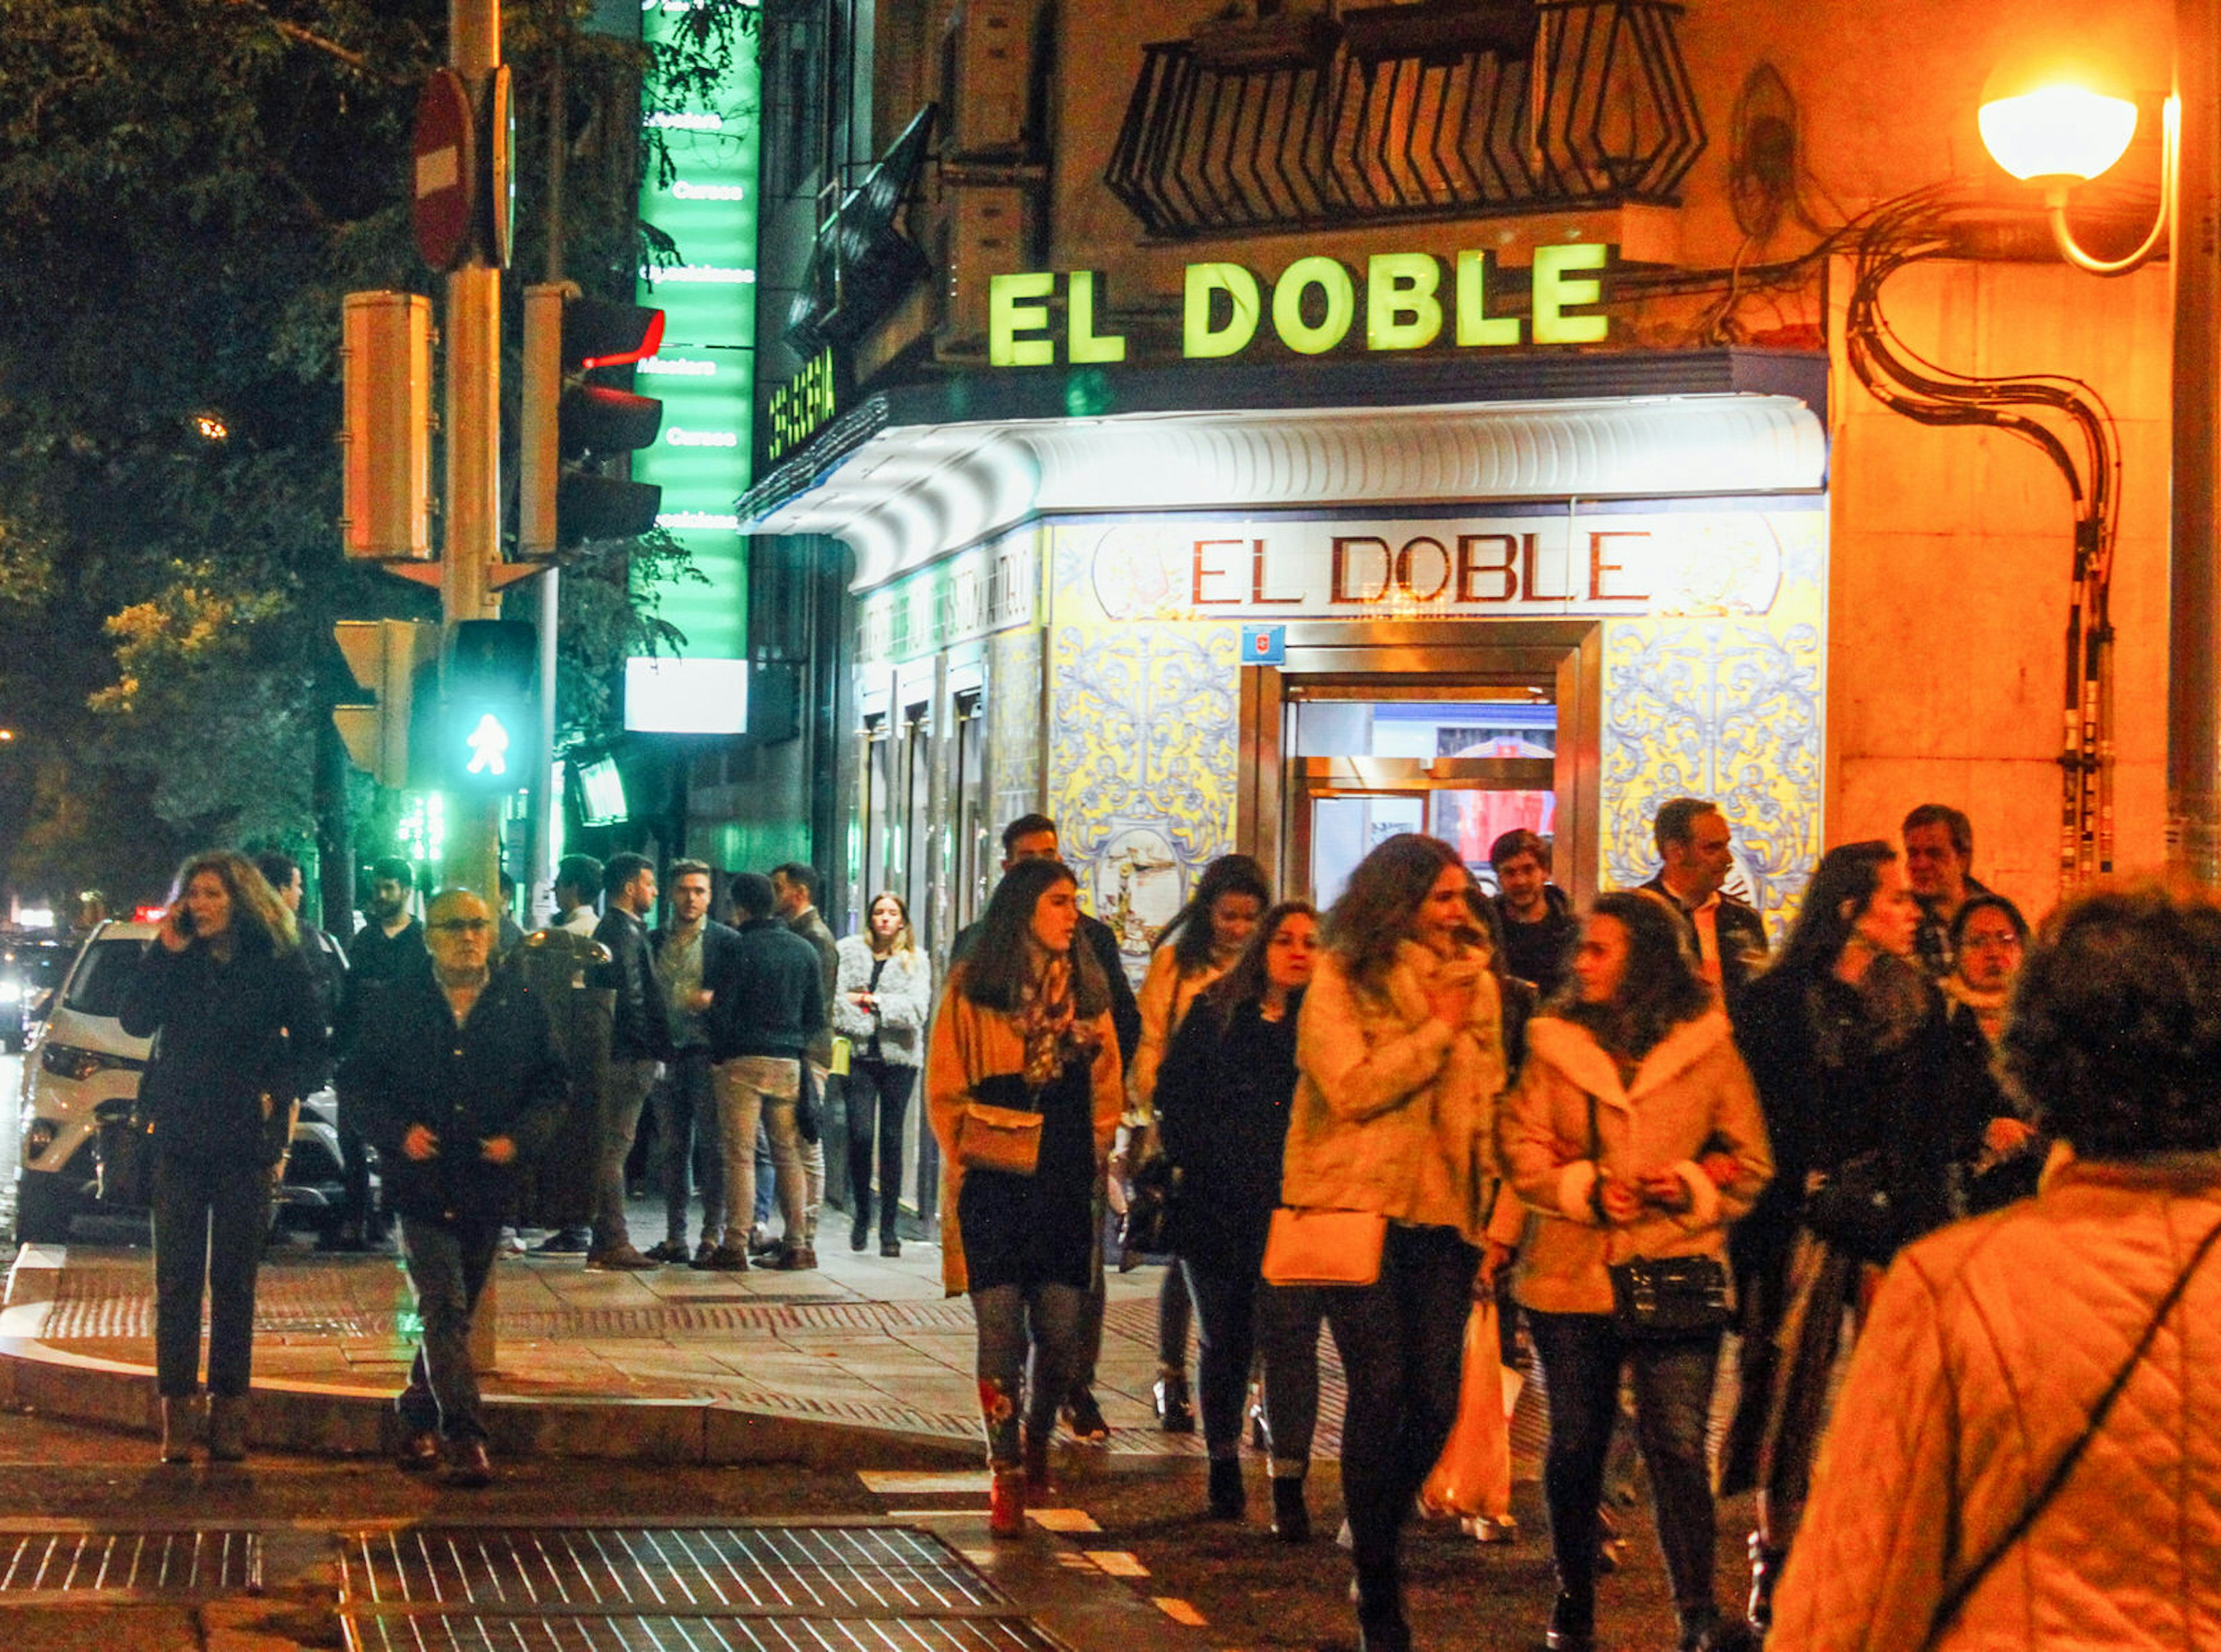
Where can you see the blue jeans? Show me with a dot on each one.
(1582, 1356)
(686, 1122)
(1020, 1327)
(447, 1263)
(210, 1222)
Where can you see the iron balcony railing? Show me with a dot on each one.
(1434, 109)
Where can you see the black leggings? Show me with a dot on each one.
(877, 1094)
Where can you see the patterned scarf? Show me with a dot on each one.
(1045, 1017)
(1989, 1008)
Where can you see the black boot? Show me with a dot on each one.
(1292, 1518)
(1765, 1572)
(1175, 1410)
(1572, 1623)
(1381, 1623)
(1228, 1498)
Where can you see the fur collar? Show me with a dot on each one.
(1568, 1047)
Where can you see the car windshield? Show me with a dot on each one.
(97, 987)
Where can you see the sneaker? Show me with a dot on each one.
(564, 1242)
(724, 1259)
(509, 1246)
(796, 1258)
(1085, 1418)
(619, 1259)
(671, 1250)
(704, 1251)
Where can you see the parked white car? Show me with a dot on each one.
(84, 1064)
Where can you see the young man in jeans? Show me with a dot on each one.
(766, 1005)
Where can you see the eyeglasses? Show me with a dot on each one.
(463, 925)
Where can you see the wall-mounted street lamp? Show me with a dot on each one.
(2057, 131)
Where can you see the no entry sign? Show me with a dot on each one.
(443, 198)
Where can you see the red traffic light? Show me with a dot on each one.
(598, 334)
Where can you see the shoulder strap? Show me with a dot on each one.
(1596, 1139)
(1956, 1596)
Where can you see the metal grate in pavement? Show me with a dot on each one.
(163, 1563)
(468, 1632)
(840, 1570)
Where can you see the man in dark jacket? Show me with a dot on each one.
(794, 886)
(388, 948)
(1533, 914)
(639, 1043)
(458, 1081)
(689, 953)
(766, 1005)
(1729, 936)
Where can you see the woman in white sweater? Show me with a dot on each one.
(879, 1001)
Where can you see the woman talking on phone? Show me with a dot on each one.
(1631, 1078)
(225, 993)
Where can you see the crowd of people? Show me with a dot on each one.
(1638, 1123)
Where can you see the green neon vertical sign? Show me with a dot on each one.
(704, 375)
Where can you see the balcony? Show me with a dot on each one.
(1443, 108)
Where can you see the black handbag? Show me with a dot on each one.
(1655, 1298)
(1154, 1189)
(123, 1154)
(1853, 1210)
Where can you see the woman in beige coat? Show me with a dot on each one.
(1400, 1057)
(1632, 1078)
(1939, 1515)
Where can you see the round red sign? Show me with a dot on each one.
(443, 195)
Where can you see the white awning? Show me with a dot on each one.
(912, 493)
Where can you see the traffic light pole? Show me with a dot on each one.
(473, 514)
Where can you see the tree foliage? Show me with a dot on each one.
(187, 190)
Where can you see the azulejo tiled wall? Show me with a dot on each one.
(1727, 706)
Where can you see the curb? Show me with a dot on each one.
(321, 1421)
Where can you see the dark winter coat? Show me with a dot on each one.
(1742, 934)
(767, 995)
(641, 1029)
(1541, 952)
(228, 1035)
(496, 1074)
(1223, 1097)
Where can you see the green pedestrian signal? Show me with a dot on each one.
(490, 721)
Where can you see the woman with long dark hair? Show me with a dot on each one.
(1631, 1078)
(224, 991)
(1023, 1093)
(1198, 945)
(1873, 1105)
(1400, 1055)
(1222, 1099)
(880, 1000)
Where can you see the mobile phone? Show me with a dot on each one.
(184, 920)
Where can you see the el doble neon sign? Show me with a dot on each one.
(1224, 305)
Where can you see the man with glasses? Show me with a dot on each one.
(459, 1082)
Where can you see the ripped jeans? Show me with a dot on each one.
(1016, 1321)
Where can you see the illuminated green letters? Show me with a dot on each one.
(1223, 305)
(1401, 310)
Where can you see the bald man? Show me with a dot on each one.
(458, 1078)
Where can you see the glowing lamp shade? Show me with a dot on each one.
(2057, 131)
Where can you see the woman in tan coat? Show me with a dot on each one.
(1975, 1489)
(1400, 1058)
(1631, 1077)
(1023, 1035)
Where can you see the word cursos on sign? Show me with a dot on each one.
(1313, 307)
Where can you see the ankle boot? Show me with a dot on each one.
(1175, 1410)
(1036, 1463)
(1291, 1519)
(180, 1420)
(227, 1437)
(1381, 1626)
(1765, 1572)
(1572, 1623)
(1006, 1503)
(1228, 1498)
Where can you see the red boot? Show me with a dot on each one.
(1006, 1503)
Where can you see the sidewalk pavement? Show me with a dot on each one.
(862, 1362)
